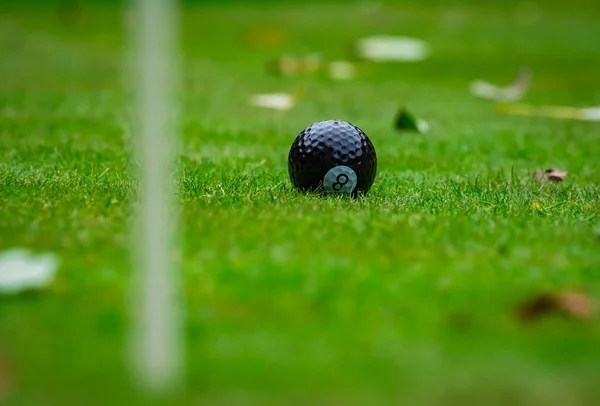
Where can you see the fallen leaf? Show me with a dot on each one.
(405, 121)
(551, 175)
(554, 175)
(577, 304)
(264, 163)
(558, 112)
(288, 65)
(589, 114)
(21, 270)
(284, 66)
(390, 48)
(513, 92)
(277, 101)
(574, 304)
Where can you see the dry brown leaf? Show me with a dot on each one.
(574, 304)
(552, 175)
(288, 65)
(537, 175)
(284, 66)
(577, 304)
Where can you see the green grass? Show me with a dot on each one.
(406, 295)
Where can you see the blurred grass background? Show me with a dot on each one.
(406, 296)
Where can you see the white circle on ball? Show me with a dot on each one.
(340, 179)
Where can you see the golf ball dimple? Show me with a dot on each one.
(333, 156)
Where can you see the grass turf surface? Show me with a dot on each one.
(407, 294)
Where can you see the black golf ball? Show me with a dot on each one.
(334, 157)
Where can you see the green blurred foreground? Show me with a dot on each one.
(406, 296)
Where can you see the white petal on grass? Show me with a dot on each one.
(390, 48)
(341, 70)
(277, 101)
(513, 92)
(21, 270)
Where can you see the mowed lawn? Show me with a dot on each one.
(407, 295)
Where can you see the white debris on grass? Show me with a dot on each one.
(341, 70)
(422, 126)
(559, 112)
(390, 48)
(277, 101)
(513, 92)
(406, 121)
(21, 270)
(590, 114)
